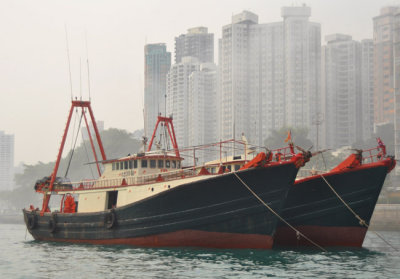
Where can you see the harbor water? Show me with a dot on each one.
(22, 257)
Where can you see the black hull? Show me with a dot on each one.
(313, 208)
(189, 215)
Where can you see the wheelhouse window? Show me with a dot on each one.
(117, 165)
(135, 164)
(121, 165)
(126, 165)
(178, 164)
(160, 164)
(237, 167)
(167, 164)
(174, 164)
(130, 164)
(144, 164)
(113, 166)
(152, 164)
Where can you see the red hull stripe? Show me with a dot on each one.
(324, 236)
(186, 238)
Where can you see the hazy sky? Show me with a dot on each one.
(34, 78)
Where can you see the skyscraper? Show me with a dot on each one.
(235, 115)
(6, 161)
(196, 43)
(396, 58)
(156, 66)
(178, 96)
(203, 108)
(269, 74)
(367, 88)
(384, 33)
(347, 90)
(302, 40)
(341, 77)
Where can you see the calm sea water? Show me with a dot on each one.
(22, 257)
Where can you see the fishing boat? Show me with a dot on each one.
(334, 208)
(149, 199)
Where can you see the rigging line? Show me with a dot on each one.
(87, 156)
(361, 221)
(277, 215)
(73, 130)
(73, 149)
(87, 63)
(69, 61)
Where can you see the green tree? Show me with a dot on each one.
(117, 143)
(278, 136)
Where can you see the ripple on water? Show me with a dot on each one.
(22, 258)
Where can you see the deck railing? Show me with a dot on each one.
(131, 180)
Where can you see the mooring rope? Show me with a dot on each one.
(277, 215)
(361, 221)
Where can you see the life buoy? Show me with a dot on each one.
(110, 219)
(31, 221)
(53, 223)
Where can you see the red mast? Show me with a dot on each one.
(167, 122)
(75, 104)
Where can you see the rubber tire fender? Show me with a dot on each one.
(32, 221)
(110, 219)
(53, 223)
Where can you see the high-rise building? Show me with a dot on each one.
(178, 97)
(203, 108)
(384, 33)
(6, 161)
(269, 74)
(156, 66)
(347, 90)
(367, 88)
(235, 114)
(303, 67)
(341, 90)
(396, 58)
(196, 43)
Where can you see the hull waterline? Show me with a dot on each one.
(218, 212)
(314, 210)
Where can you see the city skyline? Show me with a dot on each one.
(35, 67)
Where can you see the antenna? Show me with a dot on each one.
(69, 62)
(80, 77)
(87, 63)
